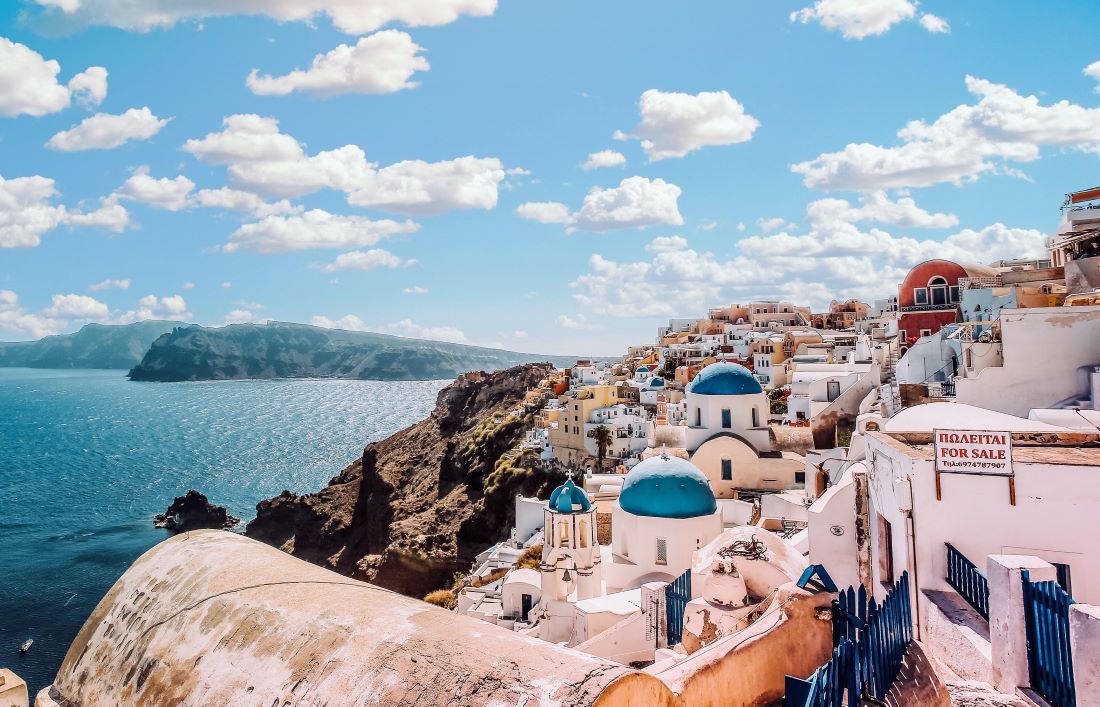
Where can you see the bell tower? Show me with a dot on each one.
(570, 553)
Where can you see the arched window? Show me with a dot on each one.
(937, 291)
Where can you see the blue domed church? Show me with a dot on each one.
(665, 512)
(728, 437)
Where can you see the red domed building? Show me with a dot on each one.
(928, 298)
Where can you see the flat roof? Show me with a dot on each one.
(1069, 455)
(619, 603)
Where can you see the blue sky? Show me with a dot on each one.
(761, 145)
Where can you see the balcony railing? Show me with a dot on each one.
(966, 579)
(930, 307)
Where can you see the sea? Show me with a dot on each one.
(87, 458)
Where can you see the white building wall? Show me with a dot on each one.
(1054, 517)
(635, 540)
(1044, 350)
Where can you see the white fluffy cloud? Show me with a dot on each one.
(104, 131)
(415, 290)
(29, 86)
(409, 328)
(960, 145)
(313, 229)
(637, 202)
(242, 316)
(416, 187)
(544, 211)
(674, 124)
(15, 320)
(384, 62)
(1093, 72)
(835, 258)
(152, 307)
(349, 16)
(265, 161)
(67, 312)
(119, 284)
(405, 327)
(578, 321)
(934, 24)
(27, 212)
(89, 87)
(856, 19)
(364, 261)
(604, 158)
(237, 200)
(80, 307)
(170, 194)
(350, 322)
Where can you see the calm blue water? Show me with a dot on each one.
(87, 458)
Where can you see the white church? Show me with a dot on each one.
(727, 436)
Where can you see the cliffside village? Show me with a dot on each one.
(946, 435)
(884, 503)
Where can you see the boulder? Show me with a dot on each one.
(193, 511)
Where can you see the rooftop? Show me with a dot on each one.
(1075, 452)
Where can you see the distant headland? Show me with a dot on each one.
(285, 350)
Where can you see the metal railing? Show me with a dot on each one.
(870, 642)
(969, 581)
(1049, 658)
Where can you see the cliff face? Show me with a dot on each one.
(94, 346)
(418, 507)
(281, 350)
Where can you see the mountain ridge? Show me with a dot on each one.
(107, 346)
(289, 350)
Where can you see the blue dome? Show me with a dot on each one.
(568, 495)
(657, 383)
(642, 369)
(724, 378)
(667, 487)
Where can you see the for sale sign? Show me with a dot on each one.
(973, 452)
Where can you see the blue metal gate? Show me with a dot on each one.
(1046, 608)
(677, 595)
(870, 642)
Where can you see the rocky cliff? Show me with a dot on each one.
(418, 507)
(283, 350)
(94, 346)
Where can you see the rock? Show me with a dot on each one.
(419, 506)
(193, 511)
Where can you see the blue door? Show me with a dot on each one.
(677, 595)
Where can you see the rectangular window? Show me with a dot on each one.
(920, 295)
(662, 551)
(885, 551)
(903, 336)
(800, 477)
(955, 294)
(698, 417)
(926, 332)
(726, 421)
(727, 470)
(755, 418)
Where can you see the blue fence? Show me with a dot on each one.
(677, 595)
(1046, 608)
(969, 581)
(870, 642)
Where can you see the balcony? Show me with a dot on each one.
(930, 307)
